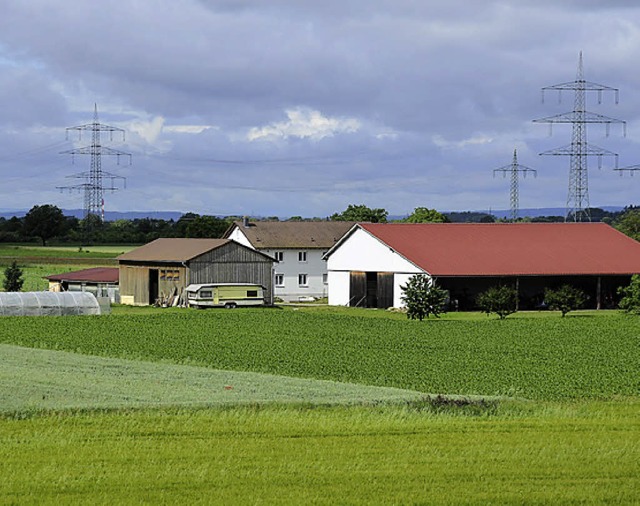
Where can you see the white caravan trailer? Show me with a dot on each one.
(227, 295)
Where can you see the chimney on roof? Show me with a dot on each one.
(245, 221)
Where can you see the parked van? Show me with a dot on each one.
(227, 295)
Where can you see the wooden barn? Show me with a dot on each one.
(368, 266)
(165, 267)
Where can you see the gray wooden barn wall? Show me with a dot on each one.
(233, 263)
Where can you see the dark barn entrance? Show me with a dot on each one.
(371, 289)
(153, 285)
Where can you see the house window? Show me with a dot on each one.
(302, 256)
(325, 278)
(279, 256)
(302, 279)
(279, 279)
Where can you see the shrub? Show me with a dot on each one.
(564, 299)
(630, 301)
(501, 300)
(423, 297)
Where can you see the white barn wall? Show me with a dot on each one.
(364, 253)
(338, 288)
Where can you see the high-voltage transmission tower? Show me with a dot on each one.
(631, 169)
(579, 149)
(94, 186)
(514, 170)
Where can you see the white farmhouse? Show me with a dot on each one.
(299, 247)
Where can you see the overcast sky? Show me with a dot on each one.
(294, 107)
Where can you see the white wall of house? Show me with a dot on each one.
(299, 273)
(361, 252)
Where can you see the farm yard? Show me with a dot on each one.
(320, 405)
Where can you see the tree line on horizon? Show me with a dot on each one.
(44, 223)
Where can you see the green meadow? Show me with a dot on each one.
(317, 405)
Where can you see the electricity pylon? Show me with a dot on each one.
(514, 169)
(631, 169)
(579, 149)
(94, 187)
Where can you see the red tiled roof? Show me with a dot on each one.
(95, 275)
(508, 249)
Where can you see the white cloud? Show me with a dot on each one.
(187, 129)
(147, 130)
(304, 123)
(475, 140)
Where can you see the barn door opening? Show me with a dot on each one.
(153, 285)
(357, 289)
(371, 289)
(384, 291)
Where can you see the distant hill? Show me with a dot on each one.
(108, 215)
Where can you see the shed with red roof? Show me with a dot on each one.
(370, 263)
(100, 281)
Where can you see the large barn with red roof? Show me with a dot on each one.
(369, 264)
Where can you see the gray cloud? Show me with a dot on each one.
(441, 94)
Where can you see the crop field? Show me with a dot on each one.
(553, 358)
(61, 252)
(133, 407)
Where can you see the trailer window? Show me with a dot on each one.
(252, 293)
(206, 294)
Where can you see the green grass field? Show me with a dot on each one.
(38, 261)
(122, 408)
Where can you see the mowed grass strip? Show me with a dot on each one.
(584, 453)
(34, 380)
(543, 357)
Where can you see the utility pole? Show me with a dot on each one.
(93, 187)
(579, 149)
(514, 169)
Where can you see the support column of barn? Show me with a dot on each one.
(598, 293)
(517, 294)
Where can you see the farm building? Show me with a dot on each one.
(299, 247)
(370, 263)
(100, 281)
(165, 267)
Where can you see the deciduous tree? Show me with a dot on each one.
(45, 222)
(423, 298)
(425, 215)
(564, 299)
(501, 300)
(630, 301)
(361, 213)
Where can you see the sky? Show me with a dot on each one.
(301, 107)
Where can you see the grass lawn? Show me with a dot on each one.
(585, 453)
